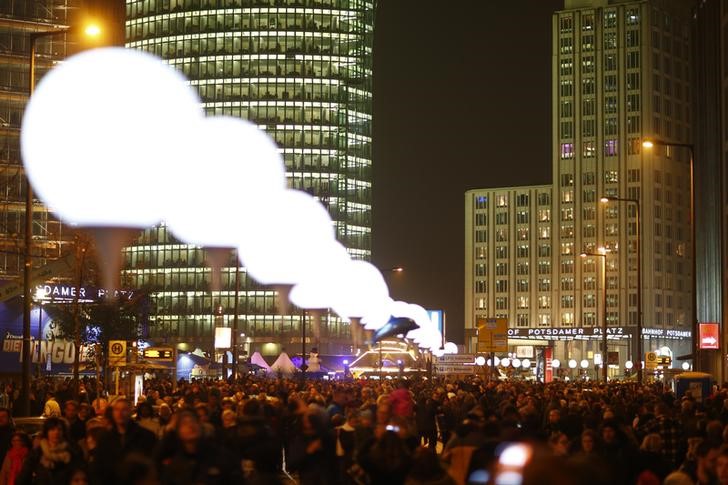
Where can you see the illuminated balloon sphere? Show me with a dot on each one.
(451, 348)
(362, 290)
(319, 290)
(686, 366)
(102, 134)
(556, 363)
(496, 361)
(584, 364)
(525, 363)
(516, 363)
(287, 240)
(237, 166)
(480, 360)
(505, 362)
(628, 364)
(572, 364)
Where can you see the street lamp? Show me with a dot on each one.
(602, 253)
(638, 221)
(90, 30)
(649, 144)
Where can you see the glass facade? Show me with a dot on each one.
(301, 70)
(18, 18)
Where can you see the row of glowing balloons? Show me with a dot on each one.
(114, 138)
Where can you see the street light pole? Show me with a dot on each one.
(602, 254)
(697, 364)
(638, 221)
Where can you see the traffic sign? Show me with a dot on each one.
(651, 360)
(456, 359)
(709, 336)
(492, 335)
(454, 368)
(161, 354)
(117, 353)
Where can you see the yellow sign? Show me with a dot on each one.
(159, 353)
(492, 335)
(651, 360)
(117, 353)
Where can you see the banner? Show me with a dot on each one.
(549, 370)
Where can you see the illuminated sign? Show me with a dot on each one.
(709, 336)
(68, 292)
(159, 354)
(437, 317)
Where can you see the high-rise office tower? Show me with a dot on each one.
(621, 74)
(301, 70)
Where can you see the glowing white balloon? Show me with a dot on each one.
(103, 132)
(362, 290)
(379, 316)
(451, 348)
(320, 290)
(516, 363)
(290, 239)
(525, 363)
(236, 166)
(584, 364)
(480, 360)
(506, 362)
(555, 363)
(572, 364)
(629, 364)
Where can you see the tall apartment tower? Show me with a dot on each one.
(301, 70)
(621, 74)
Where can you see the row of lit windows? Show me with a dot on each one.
(501, 200)
(236, 20)
(288, 43)
(609, 19)
(610, 149)
(137, 8)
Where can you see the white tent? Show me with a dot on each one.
(258, 359)
(283, 365)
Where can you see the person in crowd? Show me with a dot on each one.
(721, 466)
(51, 409)
(387, 459)
(15, 458)
(146, 419)
(426, 469)
(196, 458)
(76, 427)
(651, 462)
(54, 460)
(123, 438)
(7, 430)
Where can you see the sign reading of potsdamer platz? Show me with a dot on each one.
(301, 70)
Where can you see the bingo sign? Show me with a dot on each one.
(709, 336)
(117, 353)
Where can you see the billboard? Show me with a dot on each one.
(50, 346)
(438, 318)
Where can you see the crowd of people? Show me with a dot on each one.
(414, 432)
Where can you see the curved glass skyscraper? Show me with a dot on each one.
(301, 70)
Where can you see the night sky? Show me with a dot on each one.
(462, 100)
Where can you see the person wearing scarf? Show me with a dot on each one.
(53, 461)
(14, 458)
